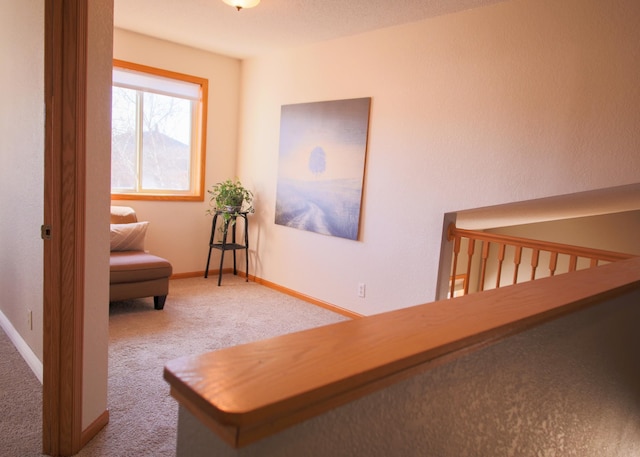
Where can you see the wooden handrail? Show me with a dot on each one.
(245, 393)
(578, 251)
(596, 256)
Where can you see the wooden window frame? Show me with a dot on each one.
(199, 156)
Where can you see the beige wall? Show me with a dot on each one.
(446, 95)
(617, 199)
(612, 232)
(520, 100)
(516, 101)
(22, 173)
(96, 313)
(179, 231)
(565, 388)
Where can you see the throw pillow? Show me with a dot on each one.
(128, 237)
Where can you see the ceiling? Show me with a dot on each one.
(274, 24)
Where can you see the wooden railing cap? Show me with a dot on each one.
(247, 392)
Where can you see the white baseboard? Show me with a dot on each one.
(23, 348)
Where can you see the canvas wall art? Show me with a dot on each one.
(321, 166)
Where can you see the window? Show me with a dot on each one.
(157, 134)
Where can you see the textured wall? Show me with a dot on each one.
(179, 231)
(98, 169)
(22, 174)
(613, 232)
(567, 388)
(519, 100)
(22, 166)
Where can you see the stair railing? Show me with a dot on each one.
(460, 283)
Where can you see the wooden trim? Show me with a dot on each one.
(199, 188)
(454, 279)
(254, 390)
(200, 274)
(535, 247)
(65, 148)
(158, 71)
(306, 298)
(194, 274)
(92, 430)
(203, 134)
(156, 197)
(579, 251)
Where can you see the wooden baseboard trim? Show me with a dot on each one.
(193, 274)
(303, 297)
(94, 428)
(200, 274)
(274, 286)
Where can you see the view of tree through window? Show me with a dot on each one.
(156, 135)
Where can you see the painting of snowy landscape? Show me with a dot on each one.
(321, 166)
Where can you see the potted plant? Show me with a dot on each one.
(229, 198)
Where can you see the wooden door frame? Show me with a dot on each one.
(64, 211)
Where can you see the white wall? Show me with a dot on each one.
(22, 170)
(515, 101)
(179, 231)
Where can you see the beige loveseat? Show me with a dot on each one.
(134, 273)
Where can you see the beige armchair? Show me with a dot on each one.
(134, 273)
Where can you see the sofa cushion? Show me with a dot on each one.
(123, 215)
(128, 237)
(136, 266)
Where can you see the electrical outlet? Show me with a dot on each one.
(30, 319)
(361, 290)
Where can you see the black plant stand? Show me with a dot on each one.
(223, 246)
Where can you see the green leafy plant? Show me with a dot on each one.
(229, 198)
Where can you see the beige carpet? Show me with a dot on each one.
(20, 403)
(198, 317)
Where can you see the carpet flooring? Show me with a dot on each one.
(21, 403)
(198, 317)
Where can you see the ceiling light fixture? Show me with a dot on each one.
(240, 4)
